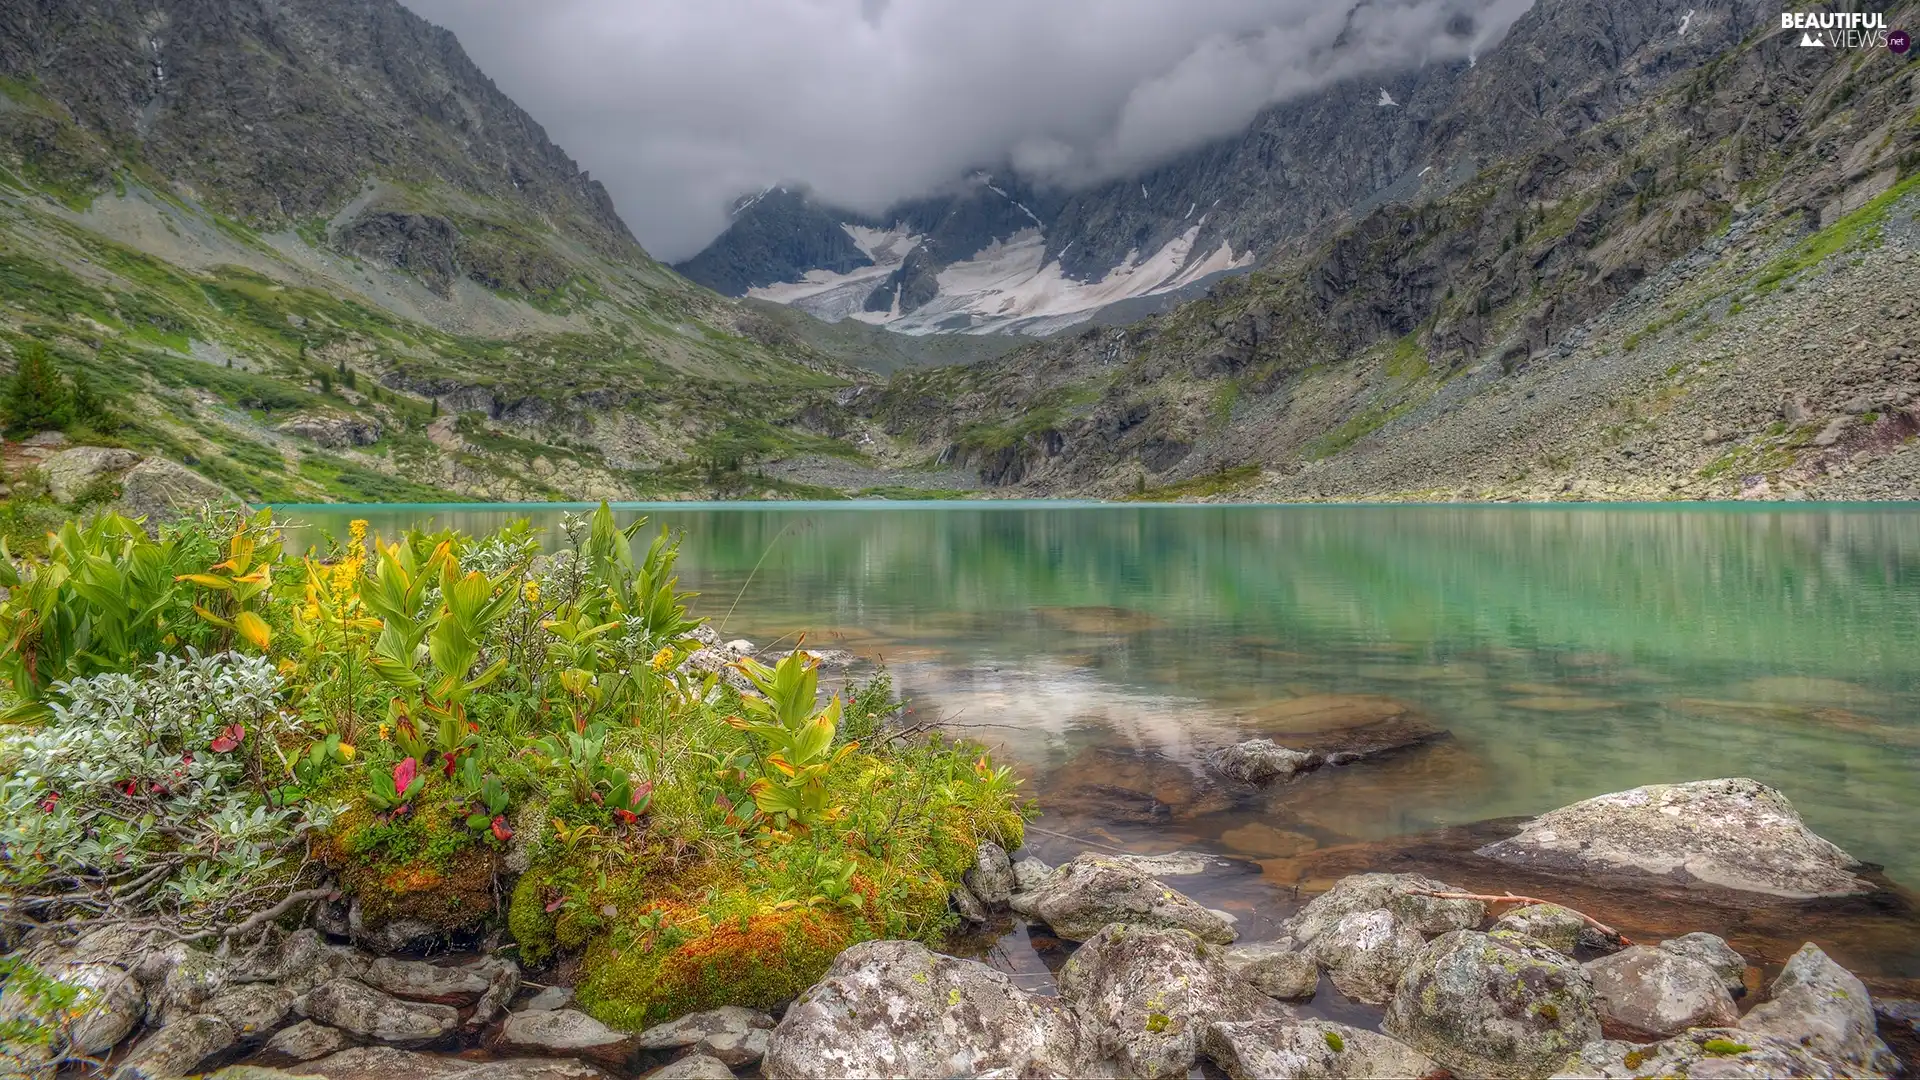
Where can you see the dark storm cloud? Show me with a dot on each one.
(679, 106)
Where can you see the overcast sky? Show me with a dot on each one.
(679, 106)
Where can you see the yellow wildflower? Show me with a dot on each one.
(347, 751)
(383, 731)
(310, 613)
(357, 533)
(530, 592)
(663, 659)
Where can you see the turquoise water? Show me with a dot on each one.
(1569, 651)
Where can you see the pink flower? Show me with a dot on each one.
(403, 775)
(500, 830)
(229, 738)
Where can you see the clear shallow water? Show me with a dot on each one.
(1568, 652)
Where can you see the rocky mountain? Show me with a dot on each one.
(1654, 265)
(1015, 259)
(313, 251)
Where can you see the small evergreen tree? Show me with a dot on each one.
(90, 407)
(326, 383)
(435, 411)
(36, 398)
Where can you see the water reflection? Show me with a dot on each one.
(1565, 652)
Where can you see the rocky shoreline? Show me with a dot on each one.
(1470, 984)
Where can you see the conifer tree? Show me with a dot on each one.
(36, 398)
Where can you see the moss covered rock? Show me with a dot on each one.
(1497, 1005)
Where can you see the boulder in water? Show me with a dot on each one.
(1549, 924)
(1647, 993)
(1278, 969)
(1821, 1006)
(1714, 952)
(1719, 1053)
(1257, 761)
(1497, 1005)
(991, 878)
(362, 1011)
(1144, 997)
(1094, 891)
(1733, 834)
(1365, 954)
(1397, 893)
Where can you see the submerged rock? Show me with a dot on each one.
(1496, 1005)
(1822, 1007)
(1550, 924)
(1144, 997)
(1257, 761)
(1734, 834)
(894, 1008)
(1714, 952)
(1094, 891)
(991, 878)
(1310, 1050)
(1277, 969)
(1647, 993)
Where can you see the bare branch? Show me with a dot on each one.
(1510, 898)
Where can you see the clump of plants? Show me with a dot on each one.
(209, 729)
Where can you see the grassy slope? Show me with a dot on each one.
(620, 381)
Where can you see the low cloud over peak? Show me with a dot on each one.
(679, 106)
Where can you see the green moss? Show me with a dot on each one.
(1334, 1042)
(1157, 1022)
(1219, 483)
(527, 917)
(1634, 1058)
(1724, 1047)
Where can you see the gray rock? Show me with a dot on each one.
(1900, 1011)
(734, 1035)
(1310, 1050)
(387, 1063)
(419, 981)
(1701, 1054)
(1646, 993)
(1257, 761)
(1144, 997)
(1365, 954)
(1167, 864)
(1029, 874)
(1094, 891)
(1366, 892)
(252, 1009)
(333, 431)
(1716, 954)
(366, 1013)
(502, 984)
(894, 1008)
(70, 471)
(143, 953)
(111, 1005)
(1736, 834)
(549, 998)
(565, 1033)
(692, 1067)
(191, 981)
(991, 878)
(1550, 924)
(162, 490)
(303, 1041)
(1276, 968)
(1496, 1005)
(177, 1049)
(968, 905)
(1820, 1006)
(307, 961)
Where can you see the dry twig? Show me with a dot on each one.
(1510, 898)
